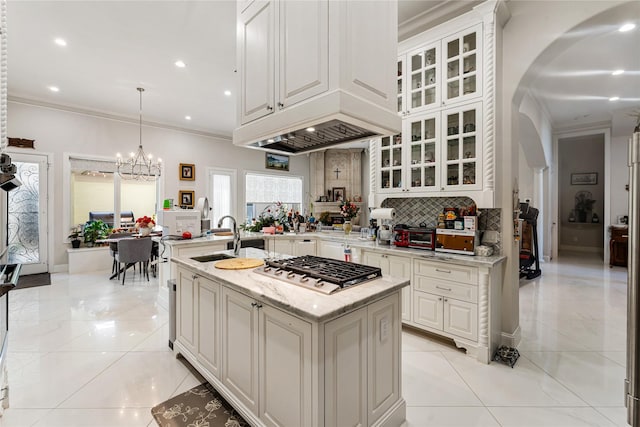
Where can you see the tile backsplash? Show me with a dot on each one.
(413, 211)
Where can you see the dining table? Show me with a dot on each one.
(113, 244)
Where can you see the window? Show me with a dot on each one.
(264, 190)
(96, 187)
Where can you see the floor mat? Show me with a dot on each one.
(200, 406)
(32, 280)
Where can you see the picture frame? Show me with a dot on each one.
(187, 172)
(186, 198)
(589, 178)
(276, 161)
(338, 194)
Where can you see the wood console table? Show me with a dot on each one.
(618, 245)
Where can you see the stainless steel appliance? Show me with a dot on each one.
(323, 275)
(456, 241)
(632, 381)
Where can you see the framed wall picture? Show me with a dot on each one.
(590, 178)
(187, 172)
(338, 194)
(276, 161)
(186, 198)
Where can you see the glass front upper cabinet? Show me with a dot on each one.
(462, 64)
(462, 146)
(424, 133)
(419, 80)
(391, 162)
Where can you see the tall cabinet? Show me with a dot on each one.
(446, 98)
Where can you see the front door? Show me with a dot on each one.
(27, 227)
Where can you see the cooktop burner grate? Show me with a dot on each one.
(329, 270)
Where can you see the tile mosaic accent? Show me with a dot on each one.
(413, 211)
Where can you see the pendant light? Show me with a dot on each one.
(139, 166)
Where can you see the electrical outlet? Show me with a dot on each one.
(491, 236)
(384, 329)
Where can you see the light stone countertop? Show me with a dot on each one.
(354, 241)
(302, 302)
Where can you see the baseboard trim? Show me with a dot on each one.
(60, 268)
(589, 249)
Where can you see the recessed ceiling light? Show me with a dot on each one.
(54, 89)
(180, 64)
(626, 27)
(60, 42)
(614, 98)
(227, 92)
(617, 72)
(311, 129)
(270, 140)
(187, 117)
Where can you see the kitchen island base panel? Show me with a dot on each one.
(318, 351)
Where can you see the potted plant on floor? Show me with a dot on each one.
(583, 204)
(75, 236)
(94, 230)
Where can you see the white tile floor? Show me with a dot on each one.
(87, 351)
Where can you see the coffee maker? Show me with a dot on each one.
(384, 218)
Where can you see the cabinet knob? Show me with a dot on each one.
(256, 305)
(441, 188)
(280, 104)
(440, 299)
(445, 300)
(269, 107)
(194, 277)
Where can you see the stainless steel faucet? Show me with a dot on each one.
(236, 233)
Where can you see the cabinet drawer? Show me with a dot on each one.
(448, 289)
(458, 273)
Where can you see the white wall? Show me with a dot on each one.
(529, 41)
(59, 132)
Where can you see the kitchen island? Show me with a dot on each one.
(285, 355)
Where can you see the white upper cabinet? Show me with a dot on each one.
(313, 61)
(419, 79)
(284, 49)
(462, 77)
(256, 41)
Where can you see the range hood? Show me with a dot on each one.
(335, 83)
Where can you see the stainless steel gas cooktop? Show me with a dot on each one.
(324, 275)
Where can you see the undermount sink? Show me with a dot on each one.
(212, 257)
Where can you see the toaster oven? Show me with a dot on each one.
(456, 241)
(416, 237)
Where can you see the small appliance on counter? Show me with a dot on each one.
(415, 237)
(175, 222)
(385, 218)
(457, 241)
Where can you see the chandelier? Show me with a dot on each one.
(138, 166)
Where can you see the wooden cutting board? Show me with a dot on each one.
(239, 263)
(224, 233)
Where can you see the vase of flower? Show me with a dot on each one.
(144, 225)
(144, 231)
(347, 227)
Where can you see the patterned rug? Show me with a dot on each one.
(202, 406)
(31, 280)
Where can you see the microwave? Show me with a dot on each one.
(457, 241)
(416, 237)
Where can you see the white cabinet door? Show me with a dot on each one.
(283, 246)
(345, 356)
(461, 318)
(334, 250)
(304, 247)
(423, 139)
(209, 325)
(256, 44)
(383, 356)
(461, 157)
(186, 326)
(240, 347)
(285, 369)
(401, 267)
(303, 54)
(423, 78)
(462, 65)
(428, 310)
(389, 168)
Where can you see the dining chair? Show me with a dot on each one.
(113, 248)
(132, 251)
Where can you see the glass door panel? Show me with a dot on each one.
(462, 62)
(391, 162)
(462, 146)
(27, 227)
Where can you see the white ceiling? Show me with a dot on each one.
(115, 46)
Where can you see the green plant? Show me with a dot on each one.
(325, 218)
(94, 230)
(584, 203)
(75, 233)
